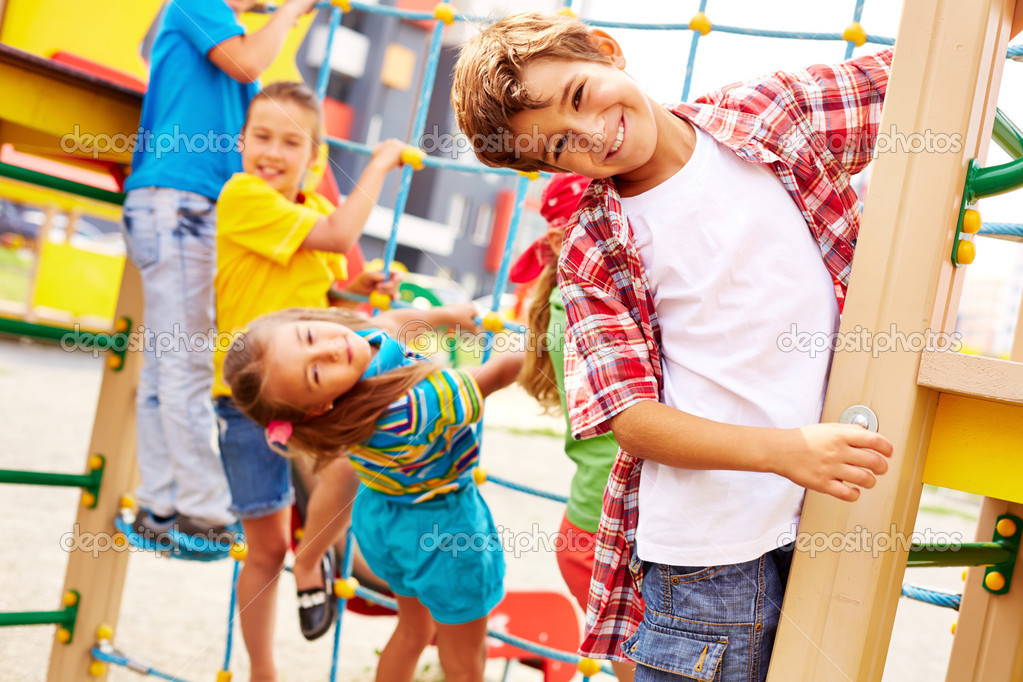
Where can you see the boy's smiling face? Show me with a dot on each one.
(597, 122)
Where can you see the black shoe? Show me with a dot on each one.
(317, 607)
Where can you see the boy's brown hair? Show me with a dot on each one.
(296, 93)
(488, 91)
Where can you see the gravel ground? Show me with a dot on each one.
(174, 613)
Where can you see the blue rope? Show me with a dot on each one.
(418, 125)
(857, 15)
(692, 57)
(346, 572)
(526, 489)
(524, 644)
(428, 161)
(132, 664)
(1006, 229)
(936, 597)
(230, 614)
(324, 75)
(501, 281)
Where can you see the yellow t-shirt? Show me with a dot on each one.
(260, 265)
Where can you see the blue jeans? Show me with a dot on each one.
(714, 623)
(171, 238)
(260, 479)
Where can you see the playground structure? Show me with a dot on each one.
(935, 406)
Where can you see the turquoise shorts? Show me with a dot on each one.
(445, 552)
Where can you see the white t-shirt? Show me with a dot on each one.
(732, 266)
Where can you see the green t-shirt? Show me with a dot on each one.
(593, 457)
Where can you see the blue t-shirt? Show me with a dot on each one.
(424, 444)
(193, 112)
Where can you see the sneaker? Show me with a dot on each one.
(317, 607)
(151, 533)
(193, 535)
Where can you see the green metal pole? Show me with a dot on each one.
(64, 617)
(966, 554)
(987, 182)
(44, 478)
(1007, 135)
(60, 184)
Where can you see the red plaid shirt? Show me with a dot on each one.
(815, 128)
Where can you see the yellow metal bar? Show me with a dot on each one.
(977, 447)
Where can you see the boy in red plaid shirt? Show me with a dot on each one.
(697, 299)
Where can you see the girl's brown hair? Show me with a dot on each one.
(537, 375)
(297, 93)
(354, 415)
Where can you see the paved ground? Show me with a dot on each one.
(174, 614)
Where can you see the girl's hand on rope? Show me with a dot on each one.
(387, 154)
(301, 7)
(461, 317)
(366, 282)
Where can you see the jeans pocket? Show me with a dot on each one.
(140, 234)
(689, 654)
(197, 219)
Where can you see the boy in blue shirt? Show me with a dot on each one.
(203, 74)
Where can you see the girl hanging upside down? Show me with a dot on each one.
(330, 383)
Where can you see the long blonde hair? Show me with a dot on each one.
(537, 375)
(354, 415)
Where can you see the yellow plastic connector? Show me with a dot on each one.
(444, 12)
(121, 325)
(299, 534)
(567, 12)
(88, 500)
(971, 221)
(532, 175)
(479, 475)
(345, 589)
(126, 502)
(63, 635)
(701, 23)
(413, 156)
(345, 5)
(954, 626)
(120, 540)
(223, 676)
(239, 551)
(492, 322)
(588, 667)
(97, 669)
(965, 252)
(1006, 528)
(964, 575)
(114, 362)
(380, 300)
(70, 598)
(855, 34)
(95, 462)
(104, 631)
(994, 581)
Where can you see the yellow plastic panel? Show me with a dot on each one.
(108, 32)
(84, 283)
(283, 68)
(977, 446)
